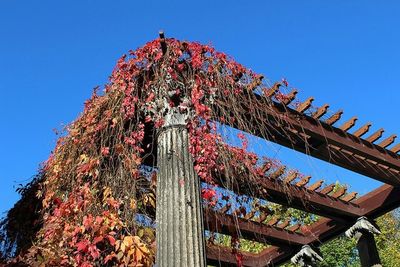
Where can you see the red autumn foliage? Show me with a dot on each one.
(90, 191)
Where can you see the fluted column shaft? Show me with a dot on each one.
(179, 216)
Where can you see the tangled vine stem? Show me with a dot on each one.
(94, 200)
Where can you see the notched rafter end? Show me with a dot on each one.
(289, 97)
(292, 175)
(395, 149)
(334, 118)
(349, 197)
(305, 105)
(363, 130)
(339, 193)
(326, 190)
(304, 181)
(276, 174)
(349, 124)
(388, 141)
(316, 185)
(272, 91)
(321, 111)
(375, 136)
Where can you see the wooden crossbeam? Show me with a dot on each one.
(284, 123)
(327, 189)
(374, 204)
(294, 228)
(277, 173)
(284, 224)
(273, 221)
(340, 192)
(297, 197)
(223, 256)
(260, 232)
(303, 181)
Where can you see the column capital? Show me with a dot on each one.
(173, 119)
(362, 225)
(306, 257)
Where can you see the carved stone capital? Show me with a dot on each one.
(362, 225)
(306, 257)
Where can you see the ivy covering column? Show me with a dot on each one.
(180, 230)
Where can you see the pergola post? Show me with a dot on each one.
(179, 216)
(364, 232)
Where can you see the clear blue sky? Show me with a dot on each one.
(52, 53)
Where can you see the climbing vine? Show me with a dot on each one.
(93, 202)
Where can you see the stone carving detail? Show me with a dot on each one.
(361, 225)
(306, 257)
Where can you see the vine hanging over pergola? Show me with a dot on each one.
(93, 201)
(94, 185)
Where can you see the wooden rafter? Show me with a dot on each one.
(222, 256)
(263, 233)
(298, 196)
(320, 139)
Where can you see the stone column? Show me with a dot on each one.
(179, 215)
(364, 232)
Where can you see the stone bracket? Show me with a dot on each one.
(360, 226)
(306, 257)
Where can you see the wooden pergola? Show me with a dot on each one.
(299, 129)
(321, 139)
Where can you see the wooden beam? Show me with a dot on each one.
(251, 230)
(282, 124)
(223, 256)
(373, 204)
(297, 197)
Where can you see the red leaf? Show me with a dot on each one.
(285, 82)
(111, 239)
(109, 257)
(105, 151)
(87, 221)
(82, 245)
(94, 251)
(98, 240)
(239, 259)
